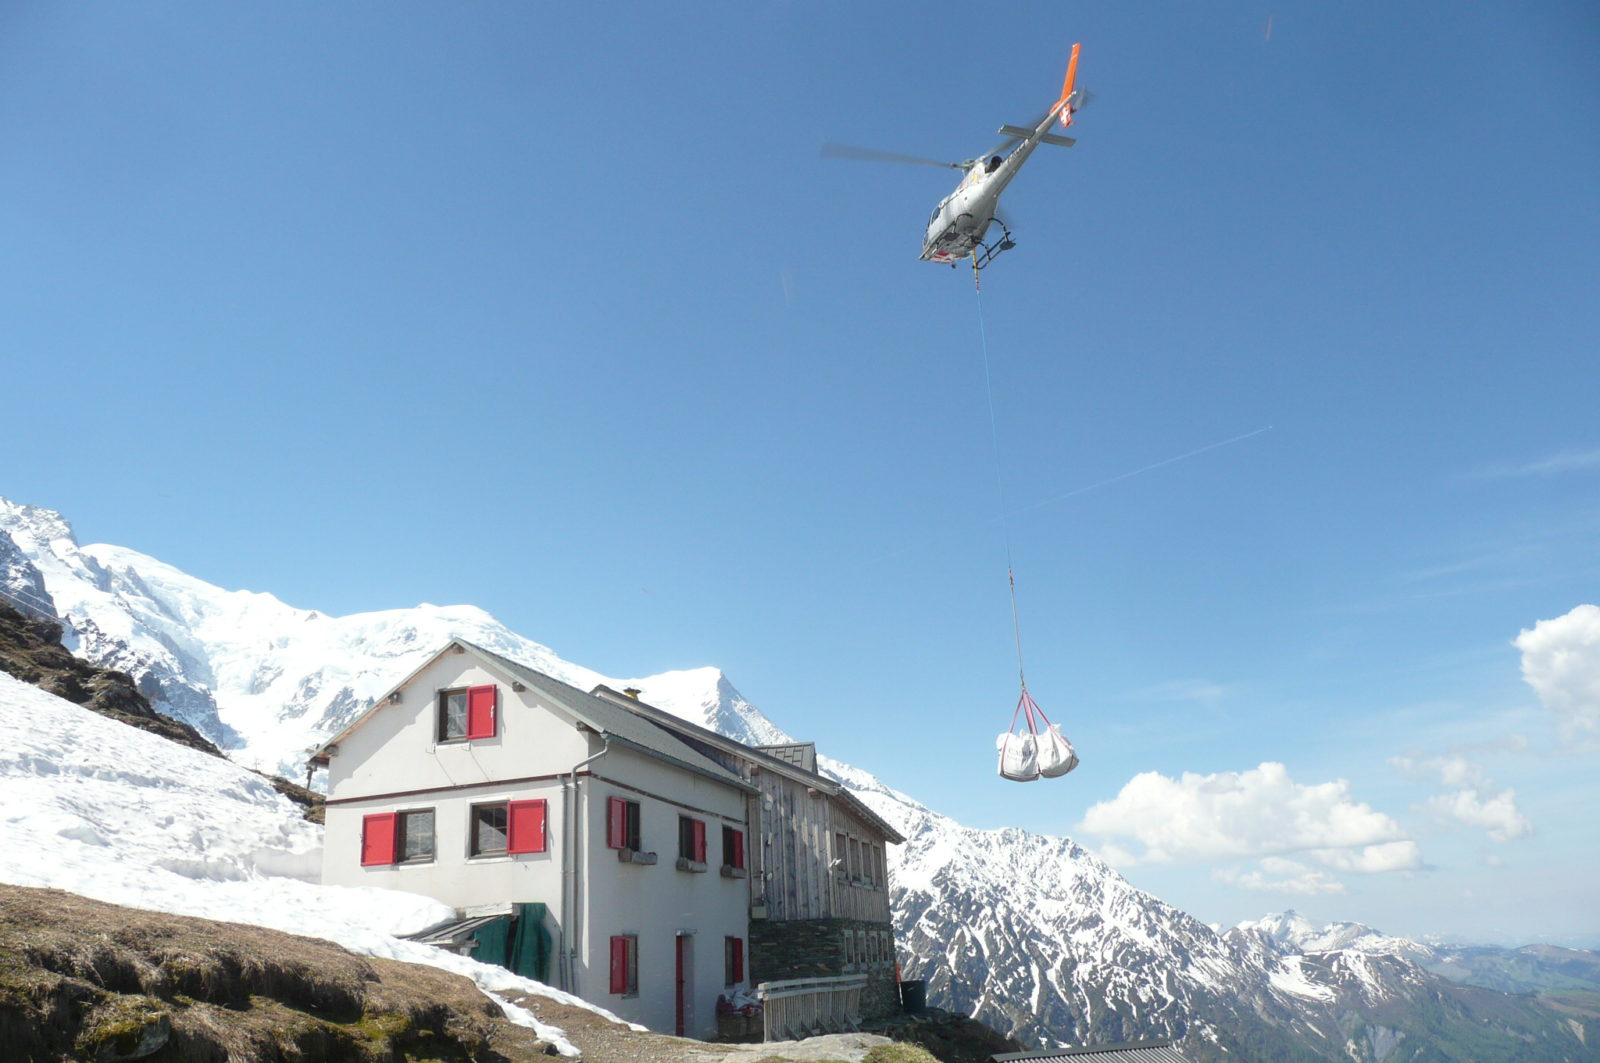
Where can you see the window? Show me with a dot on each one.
(508, 827)
(849, 950)
(732, 961)
(377, 839)
(625, 965)
(692, 839)
(733, 848)
(840, 849)
(489, 828)
(468, 713)
(622, 823)
(855, 859)
(416, 836)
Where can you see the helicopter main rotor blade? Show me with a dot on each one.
(847, 151)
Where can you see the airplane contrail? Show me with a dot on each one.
(1148, 468)
(1008, 514)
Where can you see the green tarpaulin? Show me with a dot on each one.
(518, 942)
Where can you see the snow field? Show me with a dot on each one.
(104, 810)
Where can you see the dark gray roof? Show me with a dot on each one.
(610, 720)
(800, 754)
(1133, 1052)
(759, 754)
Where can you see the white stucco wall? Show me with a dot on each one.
(393, 763)
(453, 876)
(659, 902)
(395, 749)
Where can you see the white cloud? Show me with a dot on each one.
(1260, 812)
(1561, 662)
(1452, 770)
(1472, 802)
(1372, 859)
(1498, 815)
(1290, 877)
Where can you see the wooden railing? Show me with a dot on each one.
(805, 1007)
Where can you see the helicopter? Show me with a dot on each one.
(962, 219)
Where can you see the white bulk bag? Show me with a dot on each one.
(1055, 754)
(1019, 756)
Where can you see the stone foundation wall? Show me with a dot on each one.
(815, 948)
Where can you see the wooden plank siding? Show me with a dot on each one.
(858, 882)
(794, 850)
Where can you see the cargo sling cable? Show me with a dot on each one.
(1041, 751)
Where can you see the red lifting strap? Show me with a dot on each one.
(1035, 714)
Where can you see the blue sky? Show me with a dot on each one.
(555, 309)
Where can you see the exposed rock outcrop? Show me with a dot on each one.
(31, 650)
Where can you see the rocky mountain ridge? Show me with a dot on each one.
(1034, 935)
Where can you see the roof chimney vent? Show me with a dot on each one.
(633, 692)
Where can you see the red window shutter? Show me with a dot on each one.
(619, 965)
(738, 960)
(377, 839)
(699, 840)
(738, 848)
(525, 833)
(616, 822)
(481, 705)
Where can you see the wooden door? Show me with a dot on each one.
(684, 981)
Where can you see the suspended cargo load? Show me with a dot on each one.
(1039, 751)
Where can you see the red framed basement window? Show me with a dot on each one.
(732, 961)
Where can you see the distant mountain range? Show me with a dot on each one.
(1034, 935)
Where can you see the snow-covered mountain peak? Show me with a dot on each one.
(1286, 928)
(703, 696)
(36, 524)
(1290, 933)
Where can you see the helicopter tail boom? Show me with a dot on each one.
(1063, 106)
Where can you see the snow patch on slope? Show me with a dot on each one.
(106, 811)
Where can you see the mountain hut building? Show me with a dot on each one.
(606, 847)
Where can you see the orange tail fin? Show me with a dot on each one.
(1064, 104)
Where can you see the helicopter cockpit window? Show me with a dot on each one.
(994, 164)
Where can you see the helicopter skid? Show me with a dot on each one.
(955, 243)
